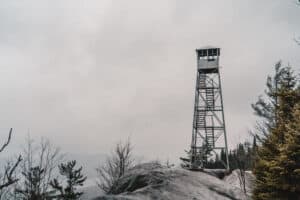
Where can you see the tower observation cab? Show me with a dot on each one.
(209, 133)
(208, 59)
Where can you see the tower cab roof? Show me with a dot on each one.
(207, 47)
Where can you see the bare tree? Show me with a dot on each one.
(242, 175)
(8, 177)
(241, 159)
(38, 169)
(115, 166)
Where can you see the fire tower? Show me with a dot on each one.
(209, 132)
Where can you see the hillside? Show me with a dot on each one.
(152, 181)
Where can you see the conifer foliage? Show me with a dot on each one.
(31, 189)
(277, 160)
(37, 170)
(241, 157)
(74, 178)
(280, 90)
(286, 167)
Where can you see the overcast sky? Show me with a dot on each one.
(87, 73)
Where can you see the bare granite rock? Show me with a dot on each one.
(151, 181)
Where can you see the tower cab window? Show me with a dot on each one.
(211, 58)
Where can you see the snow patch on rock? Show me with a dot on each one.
(233, 180)
(153, 181)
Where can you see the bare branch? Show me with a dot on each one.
(115, 166)
(7, 142)
(8, 174)
(40, 161)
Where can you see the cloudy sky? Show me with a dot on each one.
(87, 73)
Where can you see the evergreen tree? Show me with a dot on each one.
(253, 152)
(223, 157)
(285, 96)
(74, 178)
(31, 189)
(286, 168)
(37, 170)
(231, 158)
(267, 106)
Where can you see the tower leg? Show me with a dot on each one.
(225, 135)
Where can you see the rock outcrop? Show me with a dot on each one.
(152, 181)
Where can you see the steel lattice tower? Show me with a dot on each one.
(209, 132)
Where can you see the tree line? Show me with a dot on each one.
(240, 157)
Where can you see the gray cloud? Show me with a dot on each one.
(88, 73)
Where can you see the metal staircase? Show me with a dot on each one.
(210, 99)
(200, 119)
